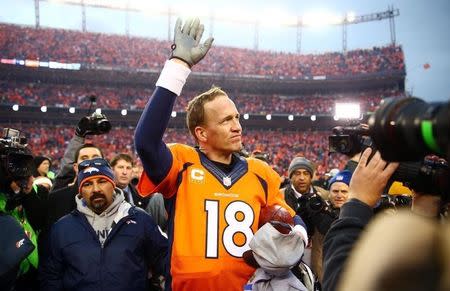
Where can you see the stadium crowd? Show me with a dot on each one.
(44, 44)
(35, 94)
(51, 141)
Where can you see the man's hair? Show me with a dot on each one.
(125, 157)
(86, 145)
(195, 111)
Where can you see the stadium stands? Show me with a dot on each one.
(132, 98)
(20, 42)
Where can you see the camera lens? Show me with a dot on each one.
(103, 126)
(406, 129)
(316, 203)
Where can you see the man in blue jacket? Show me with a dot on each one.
(105, 243)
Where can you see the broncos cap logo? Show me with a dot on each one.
(90, 170)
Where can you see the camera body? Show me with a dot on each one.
(316, 212)
(392, 202)
(406, 130)
(350, 140)
(428, 175)
(16, 160)
(94, 124)
(313, 204)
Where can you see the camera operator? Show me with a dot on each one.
(387, 244)
(18, 238)
(301, 172)
(94, 124)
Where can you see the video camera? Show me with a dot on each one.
(16, 160)
(407, 130)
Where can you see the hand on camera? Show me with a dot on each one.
(82, 127)
(370, 178)
(187, 45)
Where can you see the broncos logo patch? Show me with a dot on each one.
(91, 170)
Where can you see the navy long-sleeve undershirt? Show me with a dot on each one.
(155, 156)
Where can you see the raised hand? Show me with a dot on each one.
(370, 178)
(186, 46)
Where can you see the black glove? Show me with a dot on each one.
(82, 127)
(186, 45)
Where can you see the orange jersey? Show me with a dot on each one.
(213, 217)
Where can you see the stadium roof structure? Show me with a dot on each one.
(278, 18)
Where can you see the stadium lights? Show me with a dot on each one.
(350, 16)
(72, 110)
(173, 114)
(268, 116)
(123, 112)
(290, 117)
(246, 116)
(15, 107)
(98, 111)
(190, 11)
(274, 16)
(44, 108)
(321, 19)
(348, 111)
(313, 118)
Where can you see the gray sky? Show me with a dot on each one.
(423, 29)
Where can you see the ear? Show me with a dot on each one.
(75, 168)
(201, 134)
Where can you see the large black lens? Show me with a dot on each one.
(406, 129)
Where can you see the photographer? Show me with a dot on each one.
(298, 193)
(94, 124)
(18, 238)
(301, 172)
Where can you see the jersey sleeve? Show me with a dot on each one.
(168, 186)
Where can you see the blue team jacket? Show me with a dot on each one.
(77, 261)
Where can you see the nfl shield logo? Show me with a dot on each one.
(227, 181)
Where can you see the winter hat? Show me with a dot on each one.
(94, 168)
(343, 176)
(38, 160)
(301, 163)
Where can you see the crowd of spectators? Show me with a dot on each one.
(282, 146)
(38, 94)
(96, 49)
